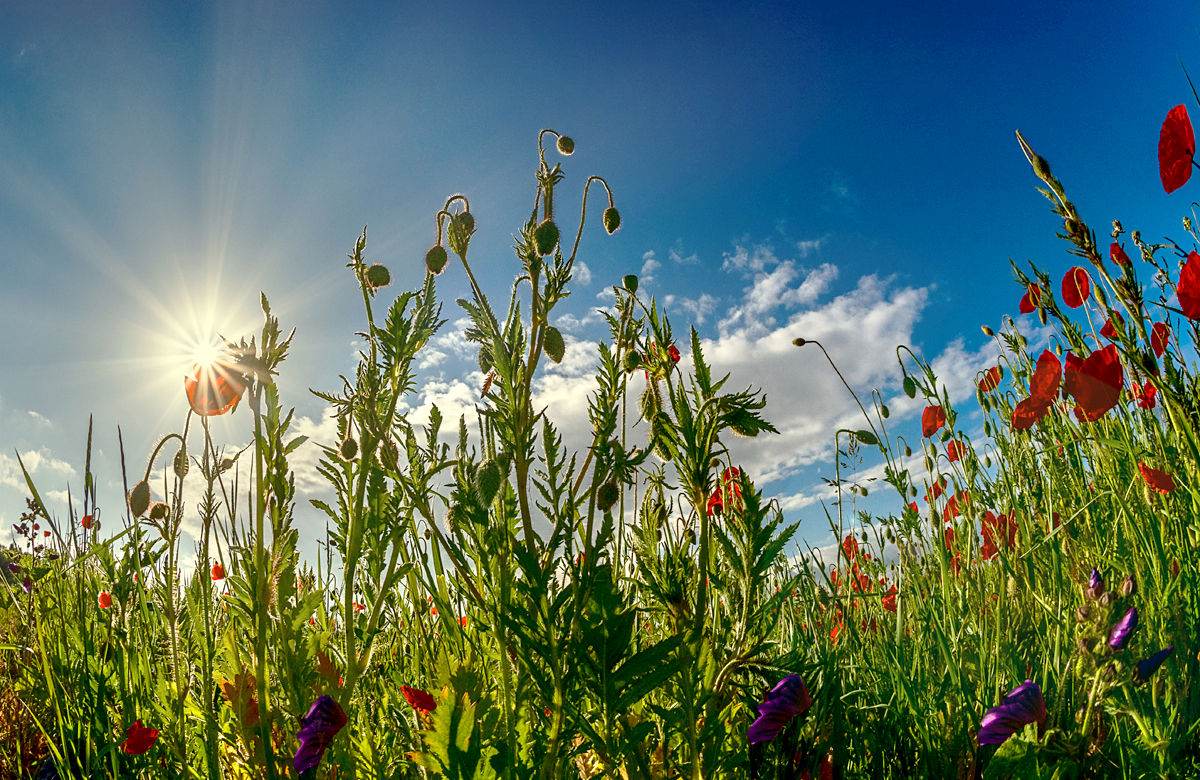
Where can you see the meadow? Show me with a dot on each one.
(492, 605)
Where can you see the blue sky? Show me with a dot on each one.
(845, 172)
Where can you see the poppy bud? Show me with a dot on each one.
(139, 498)
(378, 276)
(465, 222)
(607, 496)
(910, 386)
(907, 451)
(487, 482)
(566, 147)
(159, 511)
(630, 283)
(180, 463)
(226, 464)
(612, 220)
(862, 491)
(553, 344)
(545, 237)
(435, 259)
(632, 360)
(1040, 167)
(1187, 224)
(883, 410)
(1041, 315)
(389, 454)
(799, 342)
(866, 437)
(987, 331)
(348, 449)
(459, 233)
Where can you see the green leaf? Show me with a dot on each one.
(1014, 759)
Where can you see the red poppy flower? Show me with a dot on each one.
(218, 572)
(1043, 388)
(715, 505)
(889, 599)
(138, 739)
(850, 547)
(1076, 287)
(1188, 289)
(952, 504)
(104, 600)
(215, 389)
(673, 353)
(932, 419)
(996, 528)
(419, 699)
(1095, 382)
(86, 522)
(1160, 337)
(991, 379)
(1117, 254)
(1109, 331)
(1144, 394)
(1031, 300)
(955, 450)
(1176, 148)
(936, 490)
(462, 621)
(1159, 480)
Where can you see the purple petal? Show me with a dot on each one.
(322, 723)
(1151, 664)
(785, 701)
(1121, 632)
(1096, 582)
(1023, 705)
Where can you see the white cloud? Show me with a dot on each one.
(37, 462)
(698, 309)
(581, 274)
(773, 290)
(649, 266)
(39, 419)
(677, 256)
(806, 248)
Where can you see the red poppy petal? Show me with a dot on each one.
(1176, 147)
(1188, 289)
(1096, 382)
(1117, 254)
(1031, 300)
(1043, 385)
(1027, 413)
(991, 379)
(1109, 331)
(1076, 287)
(1160, 336)
(1158, 480)
(932, 419)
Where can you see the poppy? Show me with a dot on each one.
(215, 388)
(1043, 388)
(86, 522)
(218, 572)
(1022, 705)
(997, 528)
(1095, 382)
(1109, 331)
(715, 505)
(850, 547)
(1158, 480)
(1031, 300)
(1150, 665)
(932, 419)
(1143, 394)
(1076, 287)
(1117, 254)
(1176, 148)
(318, 728)
(991, 379)
(104, 600)
(955, 450)
(1124, 628)
(1188, 288)
(1160, 337)
(889, 599)
(419, 699)
(952, 504)
(673, 353)
(138, 739)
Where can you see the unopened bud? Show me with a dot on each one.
(348, 450)
(1107, 599)
(435, 259)
(1040, 167)
(378, 276)
(1083, 613)
(545, 237)
(799, 342)
(612, 220)
(1128, 586)
(139, 498)
(987, 331)
(607, 496)
(159, 510)
(566, 147)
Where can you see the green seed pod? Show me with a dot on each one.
(159, 510)
(180, 463)
(612, 220)
(648, 403)
(545, 237)
(1024, 342)
(862, 490)
(566, 147)
(487, 482)
(139, 498)
(630, 283)
(910, 386)
(348, 449)
(866, 437)
(907, 451)
(1041, 315)
(435, 259)
(987, 461)
(378, 276)
(980, 397)
(883, 410)
(632, 361)
(607, 496)
(553, 344)
(928, 464)
(913, 491)
(988, 331)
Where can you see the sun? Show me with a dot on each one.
(205, 353)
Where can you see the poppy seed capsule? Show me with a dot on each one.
(612, 220)
(607, 496)
(566, 147)
(139, 498)
(159, 511)
(435, 259)
(378, 276)
(348, 450)
(545, 237)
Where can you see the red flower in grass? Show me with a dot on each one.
(935, 490)
(1188, 288)
(1109, 331)
(953, 504)
(1176, 148)
(86, 522)
(889, 599)
(932, 419)
(1095, 382)
(715, 506)
(419, 699)
(1158, 480)
(1143, 394)
(955, 450)
(138, 739)
(850, 547)
(218, 572)
(1043, 389)
(730, 490)
(991, 379)
(673, 353)
(1160, 337)
(1117, 254)
(104, 600)
(997, 528)
(215, 388)
(1031, 300)
(1076, 287)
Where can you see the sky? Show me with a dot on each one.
(841, 172)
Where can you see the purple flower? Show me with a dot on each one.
(1095, 584)
(1023, 705)
(322, 723)
(1121, 632)
(27, 584)
(785, 701)
(1151, 664)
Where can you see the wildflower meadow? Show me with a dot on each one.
(489, 604)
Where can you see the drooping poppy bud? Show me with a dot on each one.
(139, 498)
(606, 496)
(612, 221)
(348, 449)
(566, 146)
(553, 344)
(378, 276)
(436, 259)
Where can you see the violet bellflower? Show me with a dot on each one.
(1023, 705)
(322, 723)
(782, 703)
(1151, 664)
(1123, 629)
